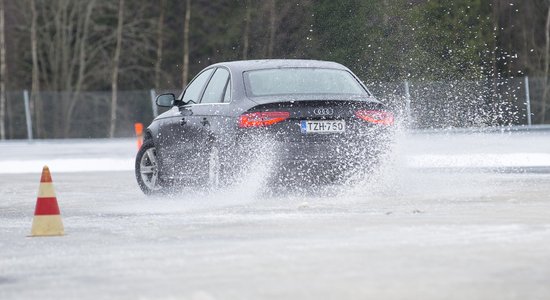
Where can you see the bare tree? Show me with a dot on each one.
(114, 78)
(272, 28)
(73, 47)
(246, 34)
(65, 62)
(185, 70)
(160, 31)
(546, 66)
(495, 70)
(3, 73)
(82, 64)
(35, 86)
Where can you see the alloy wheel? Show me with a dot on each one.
(148, 169)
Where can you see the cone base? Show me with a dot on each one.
(47, 225)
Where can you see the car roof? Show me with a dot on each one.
(248, 65)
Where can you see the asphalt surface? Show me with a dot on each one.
(415, 230)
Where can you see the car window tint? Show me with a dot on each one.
(227, 96)
(194, 89)
(215, 89)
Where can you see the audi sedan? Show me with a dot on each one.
(302, 120)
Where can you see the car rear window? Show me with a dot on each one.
(288, 81)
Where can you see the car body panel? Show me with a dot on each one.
(183, 148)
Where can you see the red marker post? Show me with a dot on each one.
(139, 134)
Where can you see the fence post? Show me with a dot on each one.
(28, 114)
(407, 102)
(154, 105)
(527, 100)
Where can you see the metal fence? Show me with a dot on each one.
(70, 115)
(502, 102)
(423, 104)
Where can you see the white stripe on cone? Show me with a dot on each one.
(47, 225)
(46, 190)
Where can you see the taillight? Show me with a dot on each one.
(262, 119)
(375, 116)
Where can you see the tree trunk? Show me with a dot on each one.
(272, 28)
(186, 43)
(3, 74)
(36, 103)
(81, 66)
(58, 68)
(546, 66)
(114, 81)
(496, 26)
(160, 30)
(246, 33)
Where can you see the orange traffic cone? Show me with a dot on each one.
(47, 219)
(139, 134)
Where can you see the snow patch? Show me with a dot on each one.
(67, 165)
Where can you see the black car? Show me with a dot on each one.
(312, 120)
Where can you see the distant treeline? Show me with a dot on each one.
(109, 45)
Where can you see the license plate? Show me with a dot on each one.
(322, 126)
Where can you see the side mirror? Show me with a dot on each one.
(166, 100)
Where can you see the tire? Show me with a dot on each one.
(147, 169)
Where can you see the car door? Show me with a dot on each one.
(181, 132)
(212, 109)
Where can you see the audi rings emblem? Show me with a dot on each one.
(323, 111)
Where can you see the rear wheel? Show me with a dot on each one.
(147, 168)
